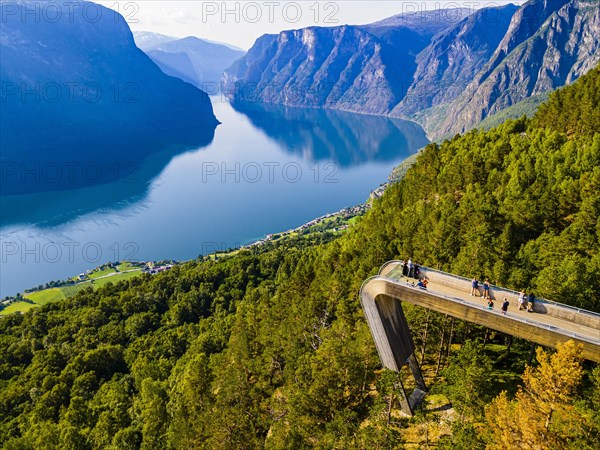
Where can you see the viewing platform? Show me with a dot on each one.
(549, 324)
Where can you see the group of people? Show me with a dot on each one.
(526, 302)
(503, 308)
(475, 288)
(486, 294)
(411, 270)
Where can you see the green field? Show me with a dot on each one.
(47, 296)
(101, 273)
(18, 307)
(125, 266)
(114, 278)
(353, 220)
(51, 295)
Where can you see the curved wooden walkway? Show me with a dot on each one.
(550, 324)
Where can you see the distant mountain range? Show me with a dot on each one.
(146, 40)
(197, 61)
(446, 69)
(77, 90)
(362, 69)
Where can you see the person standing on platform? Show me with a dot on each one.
(474, 286)
(530, 302)
(521, 300)
(486, 288)
(505, 306)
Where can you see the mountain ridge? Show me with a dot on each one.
(553, 55)
(66, 83)
(347, 67)
(446, 75)
(195, 60)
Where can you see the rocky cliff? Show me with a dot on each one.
(353, 68)
(447, 71)
(75, 88)
(453, 58)
(549, 43)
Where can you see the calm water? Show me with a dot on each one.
(267, 169)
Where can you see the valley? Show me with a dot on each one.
(214, 221)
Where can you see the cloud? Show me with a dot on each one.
(182, 16)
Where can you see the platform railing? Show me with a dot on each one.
(498, 288)
(491, 311)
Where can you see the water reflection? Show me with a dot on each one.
(47, 182)
(173, 207)
(65, 178)
(51, 208)
(347, 139)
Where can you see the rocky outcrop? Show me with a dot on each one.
(343, 68)
(550, 43)
(447, 65)
(364, 69)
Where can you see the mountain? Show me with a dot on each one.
(177, 65)
(446, 69)
(333, 67)
(549, 43)
(415, 27)
(77, 90)
(194, 60)
(454, 56)
(352, 68)
(145, 40)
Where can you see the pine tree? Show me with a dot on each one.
(542, 414)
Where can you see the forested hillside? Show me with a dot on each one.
(270, 349)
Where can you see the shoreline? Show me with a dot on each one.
(345, 217)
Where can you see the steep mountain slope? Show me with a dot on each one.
(549, 43)
(447, 71)
(363, 69)
(80, 90)
(527, 108)
(176, 65)
(194, 60)
(454, 57)
(315, 67)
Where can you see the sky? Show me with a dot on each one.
(240, 23)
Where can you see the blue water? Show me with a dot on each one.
(267, 169)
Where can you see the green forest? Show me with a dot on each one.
(269, 348)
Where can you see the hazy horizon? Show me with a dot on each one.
(240, 23)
